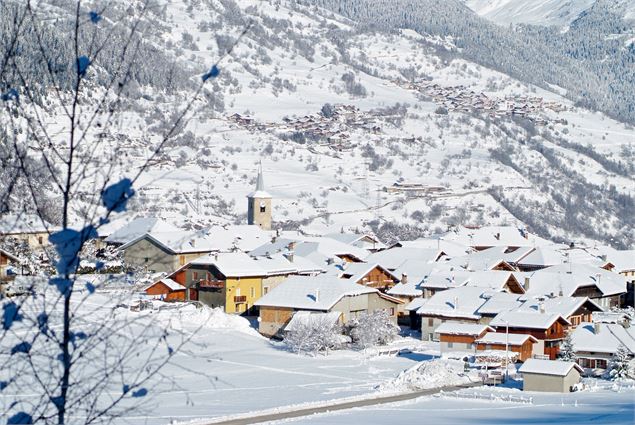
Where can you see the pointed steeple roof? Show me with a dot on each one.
(260, 191)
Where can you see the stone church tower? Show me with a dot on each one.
(259, 204)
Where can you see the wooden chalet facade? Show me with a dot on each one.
(523, 345)
(548, 329)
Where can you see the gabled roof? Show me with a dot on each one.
(139, 227)
(319, 293)
(503, 338)
(451, 248)
(172, 284)
(357, 271)
(392, 258)
(488, 259)
(179, 242)
(548, 367)
(470, 329)
(602, 338)
(493, 279)
(527, 320)
(570, 277)
(415, 271)
(365, 241)
(565, 306)
(234, 264)
(499, 302)
(462, 302)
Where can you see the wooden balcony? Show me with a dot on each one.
(240, 299)
(215, 284)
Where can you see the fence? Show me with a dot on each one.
(489, 397)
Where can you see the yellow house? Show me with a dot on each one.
(231, 280)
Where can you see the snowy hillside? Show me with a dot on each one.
(414, 138)
(558, 13)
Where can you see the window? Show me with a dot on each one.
(238, 292)
(392, 311)
(266, 290)
(194, 275)
(252, 292)
(450, 344)
(182, 260)
(263, 208)
(600, 364)
(430, 322)
(40, 240)
(147, 259)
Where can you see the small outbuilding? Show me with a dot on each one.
(550, 375)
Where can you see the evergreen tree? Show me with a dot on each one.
(567, 350)
(619, 366)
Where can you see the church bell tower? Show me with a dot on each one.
(259, 204)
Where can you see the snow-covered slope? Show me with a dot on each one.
(477, 146)
(542, 12)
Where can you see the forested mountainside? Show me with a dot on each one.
(592, 61)
(345, 103)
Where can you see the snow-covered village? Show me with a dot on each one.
(317, 211)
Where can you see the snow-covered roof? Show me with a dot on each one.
(320, 250)
(548, 367)
(602, 337)
(543, 256)
(445, 279)
(471, 329)
(393, 258)
(498, 302)
(10, 256)
(318, 293)
(494, 236)
(234, 264)
(565, 306)
(357, 271)
(570, 277)
(487, 259)
(365, 241)
(503, 338)
(415, 271)
(139, 227)
(462, 302)
(527, 320)
(303, 318)
(172, 284)
(493, 279)
(11, 224)
(450, 248)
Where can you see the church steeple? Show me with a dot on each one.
(259, 204)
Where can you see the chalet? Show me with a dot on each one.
(167, 289)
(548, 328)
(28, 228)
(235, 280)
(460, 336)
(481, 238)
(411, 273)
(457, 305)
(319, 294)
(497, 303)
(516, 343)
(605, 288)
(373, 275)
(596, 343)
(550, 376)
(165, 251)
(575, 309)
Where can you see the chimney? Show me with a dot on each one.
(541, 306)
(289, 256)
(456, 303)
(291, 246)
(404, 278)
(317, 295)
(597, 278)
(497, 236)
(596, 328)
(560, 292)
(526, 284)
(193, 242)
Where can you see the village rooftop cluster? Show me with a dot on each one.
(486, 292)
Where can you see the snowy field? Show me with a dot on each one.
(602, 406)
